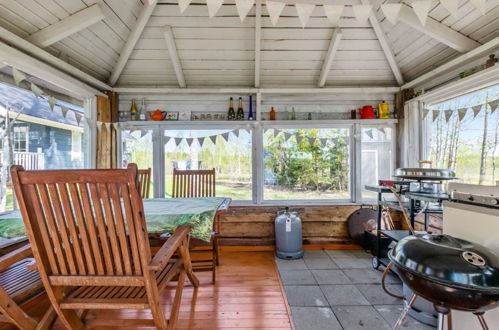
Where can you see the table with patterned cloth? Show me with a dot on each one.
(162, 215)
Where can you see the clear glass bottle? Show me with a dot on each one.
(142, 113)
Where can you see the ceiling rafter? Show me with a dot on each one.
(174, 58)
(385, 46)
(258, 41)
(437, 30)
(67, 26)
(331, 52)
(133, 37)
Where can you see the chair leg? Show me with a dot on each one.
(68, 317)
(172, 322)
(14, 313)
(186, 258)
(47, 319)
(216, 251)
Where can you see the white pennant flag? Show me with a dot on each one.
(99, 125)
(225, 136)
(18, 76)
(425, 113)
(78, 119)
(36, 90)
(304, 11)
(421, 9)
(451, 6)
(236, 133)
(476, 110)
(333, 13)
(362, 12)
(369, 133)
(115, 125)
(201, 140)
(391, 12)
(183, 4)
(108, 127)
(189, 141)
(64, 111)
(493, 105)
(480, 5)
(276, 132)
(177, 141)
(448, 114)
(213, 139)
(311, 141)
(435, 114)
(299, 138)
(52, 101)
(461, 113)
(274, 9)
(213, 7)
(243, 7)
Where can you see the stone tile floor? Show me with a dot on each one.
(336, 289)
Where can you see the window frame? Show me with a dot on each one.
(257, 129)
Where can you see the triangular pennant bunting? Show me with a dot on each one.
(64, 111)
(36, 90)
(201, 140)
(493, 105)
(299, 138)
(189, 141)
(333, 13)
(274, 9)
(143, 132)
(276, 132)
(52, 101)
(108, 127)
(115, 125)
(225, 136)
(236, 133)
(362, 12)
(287, 136)
(421, 9)
(323, 141)
(452, 6)
(391, 12)
(78, 119)
(213, 139)
(18, 76)
(476, 110)
(213, 7)
(369, 133)
(178, 141)
(480, 5)
(311, 141)
(382, 130)
(461, 113)
(183, 4)
(167, 139)
(448, 114)
(244, 7)
(435, 114)
(425, 113)
(99, 126)
(304, 11)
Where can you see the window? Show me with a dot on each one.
(228, 151)
(306, 163)
(377, 157)
(137, 147)
(19, 140)
(463, 135)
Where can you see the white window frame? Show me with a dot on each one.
(257, 128)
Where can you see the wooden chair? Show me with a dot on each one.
(89, 238)
(19, 285)
(199, 183)
(144, 177)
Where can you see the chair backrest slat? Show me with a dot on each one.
(144, 177)
(193, 183)
(84, 222)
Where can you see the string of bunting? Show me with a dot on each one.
(461, 112)
(333, 13)
(20, 77)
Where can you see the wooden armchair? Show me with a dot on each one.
(88, 235)
(144, 177)
(199, 183)
(18, 285)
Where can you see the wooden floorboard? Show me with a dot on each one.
(248, 295)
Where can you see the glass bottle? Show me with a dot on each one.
(240, 111)
(250, 112)
(133, 110)
(272, 114)
(293, 114)
(309, 116)
(142, 113)
(231, 114)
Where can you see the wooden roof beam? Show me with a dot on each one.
(243, 90)
(437, 31)
(174, 58)
(258, 41)
(67, 26)
(328, 61)
(385, 46)
(133, 37)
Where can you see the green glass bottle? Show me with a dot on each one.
(293, 114)
(231, 114)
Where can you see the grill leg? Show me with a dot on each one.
(406, 310)
(482, 321)
(441, 318)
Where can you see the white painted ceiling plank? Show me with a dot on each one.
(175, 60)
(133, 37)
(331, 52)
(66, 27)
(258, 40)
(438, 31)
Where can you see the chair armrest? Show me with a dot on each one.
(15, 256)
(168, 249)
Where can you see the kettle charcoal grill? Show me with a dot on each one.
(449, 272)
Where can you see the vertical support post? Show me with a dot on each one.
(107, 112)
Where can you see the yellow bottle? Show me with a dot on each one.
(383, 111)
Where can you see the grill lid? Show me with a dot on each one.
(444, 258)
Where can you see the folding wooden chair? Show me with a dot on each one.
(89, 238)
(199, 183)
(144, 177)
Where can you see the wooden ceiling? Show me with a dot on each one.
(221, 51)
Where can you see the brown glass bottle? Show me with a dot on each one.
(272, 114)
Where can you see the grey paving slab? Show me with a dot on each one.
(391, 314)
(360, 318)
(320, 263)
(369, 276)
(315, 254)
(343, 295)
(305, 295)
(314, 318)
(376, 296)
(340, 253)
(297, 277)
(296, 264)
(330, 276)
(353, 262)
